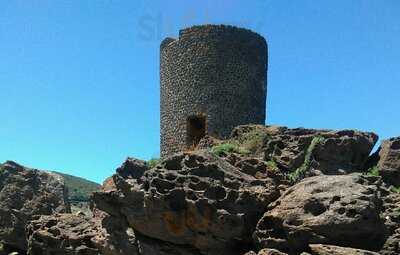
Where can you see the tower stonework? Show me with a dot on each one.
(213, 78)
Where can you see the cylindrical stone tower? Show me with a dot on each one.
(213, 78)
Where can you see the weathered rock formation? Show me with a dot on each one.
(309, 151)
(77, 235)
(193, 199)
(341, 210)
(389, 161)
(25, 193)
(269, 191)
(321, 249)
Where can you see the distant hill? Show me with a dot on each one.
(79, 189)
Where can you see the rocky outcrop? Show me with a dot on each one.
(192, 199)
(70, 234)
(25, 193)
(62, 234)
(389, 161)
(132, 168)
(321, 249)
(238, 198)
(307, 152)
(339, 210)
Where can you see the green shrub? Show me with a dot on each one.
(221, 149)
(253, 140)
(373, 171)
(300, 172)
(153, 162)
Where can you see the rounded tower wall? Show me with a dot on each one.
(215, 71)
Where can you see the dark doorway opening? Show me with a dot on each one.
(195, 130)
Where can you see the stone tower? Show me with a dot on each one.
(213, 78)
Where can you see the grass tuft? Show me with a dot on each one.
(153, 162)
(373, 171)
(300, 172)
(224, 148)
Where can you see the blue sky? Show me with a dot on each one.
(79, 80)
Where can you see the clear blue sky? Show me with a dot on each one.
(79, 80)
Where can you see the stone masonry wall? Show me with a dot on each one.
(215, 70)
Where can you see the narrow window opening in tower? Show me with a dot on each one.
(195, 130)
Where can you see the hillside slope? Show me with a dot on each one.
(79, 189)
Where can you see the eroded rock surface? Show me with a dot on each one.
(316, 151)
(69, 234)
(339, 210)
(266, 252)
(389, 161)
(25, 193)
(391, 216)
(321, 249)
(193, 199)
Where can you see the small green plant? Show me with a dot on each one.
(272, 166)
(373, 171)
(153, 162)
(221, 149)
(300, 172)
(395, 190)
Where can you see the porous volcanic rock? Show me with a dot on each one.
(192, 199)
(319, 151)
(266, 252)
(339, 210)
(25, 193)
(389, 161)
(69, 234)
(321, 249)
(391, 215)
(132, 168)
(62, 234)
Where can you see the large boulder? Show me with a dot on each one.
(192, 199)
(341, 210)
(310, 151)
(321, 249)
(389, 161)
(70, 234)
(25, 193)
